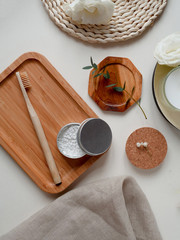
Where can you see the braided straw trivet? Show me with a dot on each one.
(130, 19)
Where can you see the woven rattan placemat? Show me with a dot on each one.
(130, 19)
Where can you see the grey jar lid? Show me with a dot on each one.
(94, 136)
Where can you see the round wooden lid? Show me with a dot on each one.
(146, 148)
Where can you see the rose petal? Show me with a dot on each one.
(90, 11)
(167, 51)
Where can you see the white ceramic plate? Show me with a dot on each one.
(170, 112)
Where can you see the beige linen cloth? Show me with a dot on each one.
(111, 209)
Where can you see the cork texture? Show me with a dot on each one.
(151, 156)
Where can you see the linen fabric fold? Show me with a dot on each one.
(110, 209)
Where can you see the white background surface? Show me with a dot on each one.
(25, 26)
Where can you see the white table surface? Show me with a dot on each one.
(25, 26)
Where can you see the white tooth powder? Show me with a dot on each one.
(67, 141)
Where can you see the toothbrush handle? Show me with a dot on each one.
(40, 133)
(45, 147)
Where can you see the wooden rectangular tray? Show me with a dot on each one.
(56, 104)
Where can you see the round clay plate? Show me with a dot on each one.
(153, 154)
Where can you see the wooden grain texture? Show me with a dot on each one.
(121, 71)
(56, 104)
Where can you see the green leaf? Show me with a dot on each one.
(111, 85)
(97, 75)
(94, 66)
(87, 67)
(127, 102)
(132, 91)
(118, 89)
(124, 85)
(92, 63)
(106, 75)
(93, 72)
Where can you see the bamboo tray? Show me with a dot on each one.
(56, 104)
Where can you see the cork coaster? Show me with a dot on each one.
(150, 156)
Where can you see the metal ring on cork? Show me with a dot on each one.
(144, 144)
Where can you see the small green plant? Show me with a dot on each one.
(96, 70)
(96, 73)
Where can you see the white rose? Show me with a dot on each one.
(167, 51)
(90, 11)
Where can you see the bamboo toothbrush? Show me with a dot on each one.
(24, 84)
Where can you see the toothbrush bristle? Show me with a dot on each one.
(25, 80)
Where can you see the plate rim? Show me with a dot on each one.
(154, 95)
